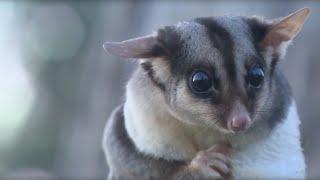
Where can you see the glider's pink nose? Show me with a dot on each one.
(240, 123)
(239, 119)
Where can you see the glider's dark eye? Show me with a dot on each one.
(200, 82)
(255, 76)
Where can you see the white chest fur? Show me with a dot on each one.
(156, 133)
(278, 156)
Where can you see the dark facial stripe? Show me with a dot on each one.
(147, 66)
(170, 40)
(258, 29)
(258, 32)
(222, 41)
(274, 62)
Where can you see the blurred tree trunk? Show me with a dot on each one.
(74, 96)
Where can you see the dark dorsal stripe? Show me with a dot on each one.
(147, 66)
(221, 40)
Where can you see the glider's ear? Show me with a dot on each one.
(142, 47)
(285, 29)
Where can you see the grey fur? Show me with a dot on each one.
(222, 46)
(124, 160)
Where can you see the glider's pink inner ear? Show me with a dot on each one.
(286, 29)
(142, 47)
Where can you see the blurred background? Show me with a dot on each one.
(58, 86)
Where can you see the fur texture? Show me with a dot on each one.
(164, 123)
(262, 158)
